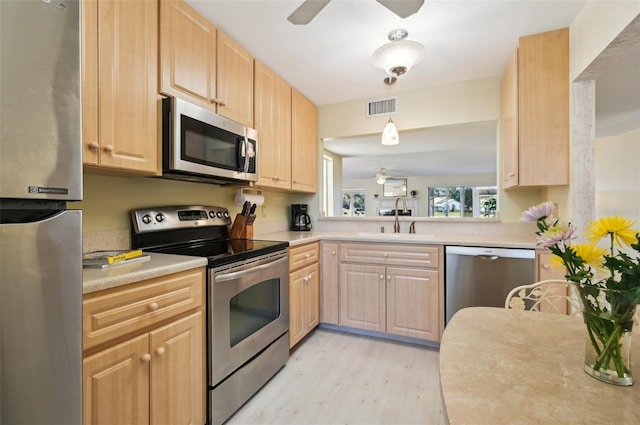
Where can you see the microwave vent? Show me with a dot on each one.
(382, 107)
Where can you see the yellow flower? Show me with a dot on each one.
(590, 254)
(618, 227)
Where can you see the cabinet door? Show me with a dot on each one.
(546, 270)
(127, 66)
(362, 297)
(187, 54)
(329, 283)
(304, 302)
(412, 303)
(116, 384)
(178, 373)
(543, 109)
(304, 146)
(312, 298)
(509, 124)
(265, 83)
(89, 78)
(282, 131)
(234, 81)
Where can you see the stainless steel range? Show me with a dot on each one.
(247, 298)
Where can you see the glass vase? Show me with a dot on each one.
(608, 315)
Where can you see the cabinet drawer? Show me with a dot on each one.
(389, 254)
(126, 310)
(304, 255)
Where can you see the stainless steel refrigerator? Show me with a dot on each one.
(40, 238)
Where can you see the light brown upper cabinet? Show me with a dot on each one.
(304, 145)
(203, 65)
(535, 112)
(188, 54)
(120, 86)
(273, 122)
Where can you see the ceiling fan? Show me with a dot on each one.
(310, 8)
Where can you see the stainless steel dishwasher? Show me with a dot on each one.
(480, 276)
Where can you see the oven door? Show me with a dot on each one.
(248, 310)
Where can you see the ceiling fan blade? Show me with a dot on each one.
(402, 8)
(307, 11)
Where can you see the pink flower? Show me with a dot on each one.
(537, 212)
(558, 236)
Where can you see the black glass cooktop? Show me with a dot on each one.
(221, 252)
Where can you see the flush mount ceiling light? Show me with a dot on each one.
(398, 56)
(390, 134)
(381, 177)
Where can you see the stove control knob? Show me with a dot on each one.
(226, 214)
(160, 217)
(212, 214)
(146, 219)
(219, 214)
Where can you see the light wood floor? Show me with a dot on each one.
(338, 378)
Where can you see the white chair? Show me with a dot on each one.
(548, 296)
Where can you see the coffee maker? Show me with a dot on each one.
(300, 219)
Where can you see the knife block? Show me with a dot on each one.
(242, 227)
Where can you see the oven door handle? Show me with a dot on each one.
(225, 277)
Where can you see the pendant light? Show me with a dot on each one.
(397, 57)
(390, 134)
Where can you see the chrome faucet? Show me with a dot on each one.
(396, 224)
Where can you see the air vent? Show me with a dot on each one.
(382, 107)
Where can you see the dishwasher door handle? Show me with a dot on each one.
(488, 257)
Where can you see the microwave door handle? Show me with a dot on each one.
(245, 168)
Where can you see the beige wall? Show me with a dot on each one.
(618, 175)
(598, 23)
(471, 101)
(108, 201)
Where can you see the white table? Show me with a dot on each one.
(500, 366)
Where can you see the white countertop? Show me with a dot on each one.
(502, 366)
(159, 265)
(163, 264)
(497, 240)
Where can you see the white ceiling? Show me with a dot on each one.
(329, 60)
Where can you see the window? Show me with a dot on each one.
(327, 185)
(462, 201)
(353, 202)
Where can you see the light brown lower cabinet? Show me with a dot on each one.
(394, 289)
(151, 370)
(156, 378)
(546, 269)
(304, 291)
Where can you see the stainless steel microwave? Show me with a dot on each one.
(199, 145)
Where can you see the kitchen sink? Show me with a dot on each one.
(398, 236)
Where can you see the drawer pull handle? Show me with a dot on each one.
(108, 148)
(381, 277)
(333, 253)
(389, 277)
(94, 146)
(160, 351)
(545, 266)
(385, 255)
(153, 306)
(146, 358)
(307, 255)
